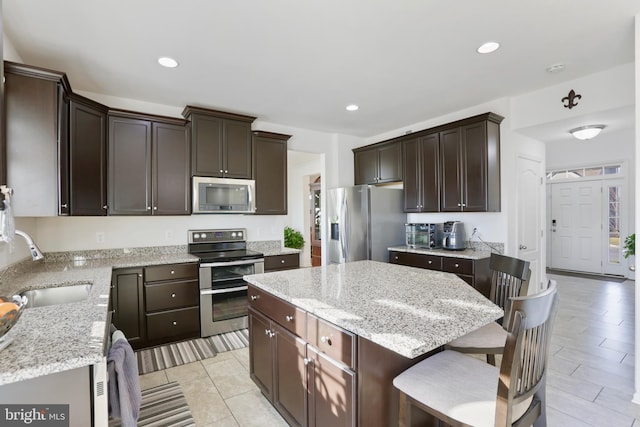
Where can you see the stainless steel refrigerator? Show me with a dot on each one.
(364, 221)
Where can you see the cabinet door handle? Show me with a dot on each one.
(139, 274)
(173, 272)
(221, 171)
(307, 361)
(64, 205)
(173, 295)
(523, 247)
(281, 261)
(429, 262)
(155, 208)
(175, 323)
(148, 208)
(105, 207)
(254, 297)
(325, 340)
(456, 265)
(396, 257)
(226, 171)
(266, 332)
(288, 318)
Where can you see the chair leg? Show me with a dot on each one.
(404, 411)
(541, 394)
(491, 358)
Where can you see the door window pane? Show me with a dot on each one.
(614, 252)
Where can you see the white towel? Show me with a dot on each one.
(124, 386)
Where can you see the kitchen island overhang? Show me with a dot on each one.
(339, 334)
(407, 310)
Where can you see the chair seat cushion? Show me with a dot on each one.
(460, 387)
(489, 339)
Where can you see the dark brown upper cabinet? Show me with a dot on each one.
(379, 163)
(421, 173)
(470, 162)
(454, 167)
(220, 143)
(270, 172)
(148, 165)
(36, 135)
(87, 158)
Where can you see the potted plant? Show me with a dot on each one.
(293, 239)
(629, 249)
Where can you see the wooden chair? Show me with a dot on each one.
(464, 391)
(509, 278)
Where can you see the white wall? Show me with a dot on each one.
(636, 395)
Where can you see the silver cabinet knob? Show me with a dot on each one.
(64, 205)
(254, 297)
(148, 208)
(173, 295)
(173, 272)
(429, 262)
(175, 323)
(155, 208)
(105, 207)
(288, 318)
(325, 339)
(523, 247)
(307, 361)
(456, 265)
(281, 261)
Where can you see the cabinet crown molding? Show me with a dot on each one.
(190, 109)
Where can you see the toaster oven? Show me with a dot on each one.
(424, 235)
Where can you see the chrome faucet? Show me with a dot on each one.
(36, 254)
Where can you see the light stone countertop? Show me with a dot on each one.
(407, 310)
(271, 247)
(66, 336)
(467, 253)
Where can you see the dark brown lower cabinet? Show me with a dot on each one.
(281, 262)
(127, 302)
(157, 304)
(475, 272)
(277, 367)
(332, 391)
(317, 374)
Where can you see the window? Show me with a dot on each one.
(578, 173)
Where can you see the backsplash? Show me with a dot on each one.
(486, 246)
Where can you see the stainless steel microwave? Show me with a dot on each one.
(223, 195)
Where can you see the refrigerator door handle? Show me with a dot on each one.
(347, 228)
(343, 224)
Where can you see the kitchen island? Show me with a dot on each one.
(339, 334)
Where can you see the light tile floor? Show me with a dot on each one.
(589, 383)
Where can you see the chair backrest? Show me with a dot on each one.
(529, 322)
(509, 278)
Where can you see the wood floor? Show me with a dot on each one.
(589, 383)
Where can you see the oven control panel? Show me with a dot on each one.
(225, 235)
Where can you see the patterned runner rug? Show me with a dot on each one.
(176, 354)
(162, 406)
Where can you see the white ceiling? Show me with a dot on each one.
(300, 62)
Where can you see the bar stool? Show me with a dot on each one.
(509, 278)
(461, 390)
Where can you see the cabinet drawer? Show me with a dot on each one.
(166, 296)
(171, 272)
(458, 265)
(287, 315)
(431, 262)
(173, 323)
(281, 262)
(335, 342)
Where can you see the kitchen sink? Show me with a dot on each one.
(57, 295)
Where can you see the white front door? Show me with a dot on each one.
(529, 226)
(576, 226)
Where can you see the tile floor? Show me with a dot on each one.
(589, 383)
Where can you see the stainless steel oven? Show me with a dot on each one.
(224, 259)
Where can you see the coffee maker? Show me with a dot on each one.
(455, 238)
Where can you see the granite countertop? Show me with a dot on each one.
(467, 253)
(271, 247)
(407, 310)
(66, 336)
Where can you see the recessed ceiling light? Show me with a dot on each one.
(165, 61)
(555, 68)
(352, 107)
(489, 47)
(587, 132)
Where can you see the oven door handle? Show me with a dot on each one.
(225, 264)
(223, 291)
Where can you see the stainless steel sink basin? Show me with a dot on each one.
(57, 295)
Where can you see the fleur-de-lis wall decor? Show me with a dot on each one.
(571, 100)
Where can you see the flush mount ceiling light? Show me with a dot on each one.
(352, 107)
(555, 68)
(488, 47)
(165, 61)
(587, 132)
